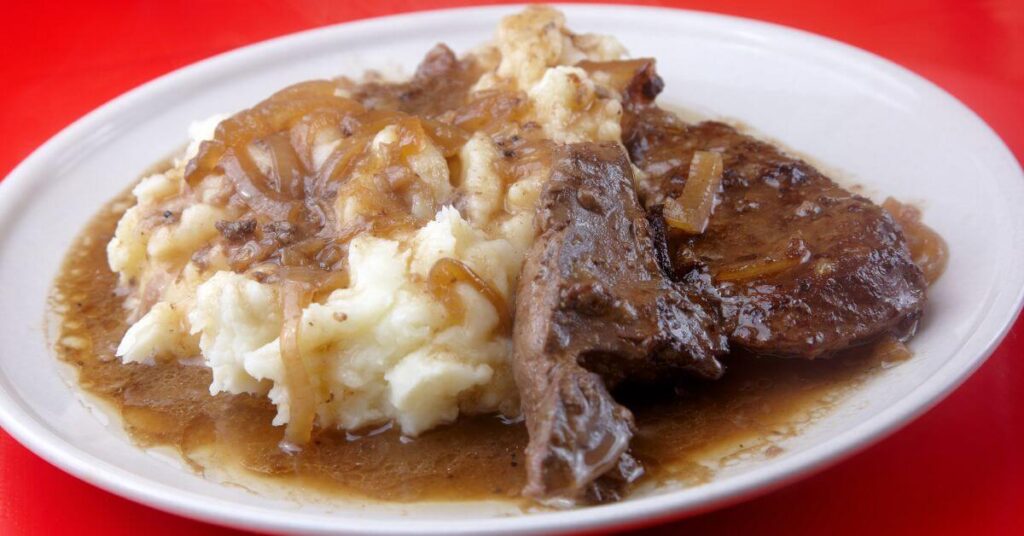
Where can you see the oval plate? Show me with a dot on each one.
(882, 126)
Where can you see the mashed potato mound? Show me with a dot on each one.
(382, 348)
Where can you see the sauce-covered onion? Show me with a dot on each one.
(447, 273)
(692, 210)
(301, 395)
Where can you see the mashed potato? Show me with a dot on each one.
(381, 349)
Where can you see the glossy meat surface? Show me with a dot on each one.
(804, 267)
(595, 308)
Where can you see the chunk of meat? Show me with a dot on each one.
(804, 267)
(594, 307)
(441, 83)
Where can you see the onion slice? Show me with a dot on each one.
(754, 270)
(301, 396)
(448, 272)
(890, 350)
(692, 210)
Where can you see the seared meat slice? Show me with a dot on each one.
(804, 267)
(594, 307)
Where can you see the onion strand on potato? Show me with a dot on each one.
(692, 210)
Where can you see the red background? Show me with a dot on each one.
(958, 469)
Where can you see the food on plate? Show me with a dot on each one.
(804, 267)
(595, 307)
(350, 271)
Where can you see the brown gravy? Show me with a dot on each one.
(684, 433)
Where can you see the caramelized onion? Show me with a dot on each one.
(754, 270)
(928, 250)
(287, 170)
(311, 128)
(448, 272)
(792, 253)
(621, 74)
(301, 396)
(281, 111)
(339, 164)
(890, 350)
(447, 137)
(252, 186)
(267, 155)
(490, 110)
(691, 212)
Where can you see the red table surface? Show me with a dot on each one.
(958, 469)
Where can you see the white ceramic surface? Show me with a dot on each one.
(883, 126)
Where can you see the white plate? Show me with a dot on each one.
(883, 126)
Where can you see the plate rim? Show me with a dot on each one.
(18, 420)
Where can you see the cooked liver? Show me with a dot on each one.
(804, 267)
(594, 307)
(441, 83)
